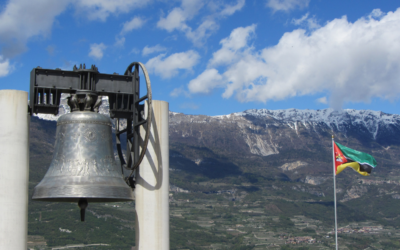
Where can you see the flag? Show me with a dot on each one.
(362, 163)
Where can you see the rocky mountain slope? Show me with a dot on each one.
(288, 144)
(276, 162)
(263, 130)
(295, 142)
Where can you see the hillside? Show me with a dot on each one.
(257, 174)
(296, 143)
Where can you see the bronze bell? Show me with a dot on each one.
(83, 168)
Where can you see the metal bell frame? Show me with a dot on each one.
(85, 85)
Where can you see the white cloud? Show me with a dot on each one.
(119, 41)
(97, 50)
(135, 23)
(149, 50)
(177, 19)
(231, 9)
(206, 81)
(230, 45)
(179, 91)
(205, 29)
(300, 20)
(168, 67)
(5, 67)
(311, 23)
(322, 100)
(101, 9)
(134, 51)
(377, 13)
(287, 5)
(353, 61)
(23, 19)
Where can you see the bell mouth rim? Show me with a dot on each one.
(76, 199)
(93, 193)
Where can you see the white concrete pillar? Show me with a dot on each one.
(152, 185)
(14, 169)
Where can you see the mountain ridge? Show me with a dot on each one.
(372, 120)
(267, 161)
(258, 127)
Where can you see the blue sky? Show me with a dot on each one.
(217, 57)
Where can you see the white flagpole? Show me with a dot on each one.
(334, 189)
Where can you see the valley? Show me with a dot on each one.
(247, 181)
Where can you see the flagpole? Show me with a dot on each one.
(334, 189)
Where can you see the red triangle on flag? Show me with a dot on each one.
(339, 157)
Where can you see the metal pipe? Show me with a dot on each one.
(14, 168)
(334, 190)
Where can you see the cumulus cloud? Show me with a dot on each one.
(287, 5)
(23, 19)
(322, 100)
(231, 9)
(134, 51)
(5, 67)
(97, 50)
(205, 29)
(135, 23)
(377, 13)
(231, 46)
(101, 9)
(168, 67)
(149, 50)
(119, 41)
(310, 22)
(179, 92)
(178, 17)
(206, 81)
(353, 61)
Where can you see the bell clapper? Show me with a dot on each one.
(130, 181)
(82, 203)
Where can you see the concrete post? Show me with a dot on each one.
(152, 185)
(14, 169)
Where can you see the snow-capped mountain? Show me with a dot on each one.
(339, 120)
(64, 108)
(296, 142)
(265, 132)
(287, 144)
(335, 120)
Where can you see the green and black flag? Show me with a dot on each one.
(362, 163)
